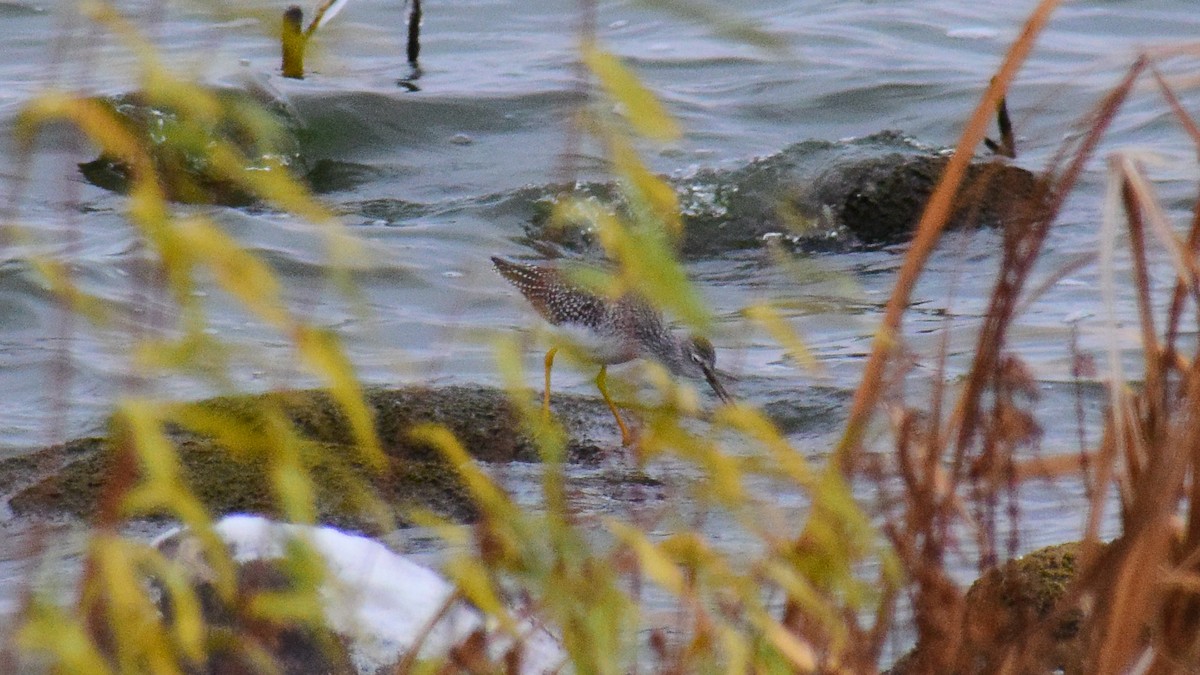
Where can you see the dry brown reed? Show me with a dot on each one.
(1135, 602)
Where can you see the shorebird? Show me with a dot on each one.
(611, 331)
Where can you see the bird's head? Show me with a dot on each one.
(699, 359)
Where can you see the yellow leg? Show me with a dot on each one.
(546, 394)
(626, 437)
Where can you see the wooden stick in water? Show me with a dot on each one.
(414, 33)
(293, 40)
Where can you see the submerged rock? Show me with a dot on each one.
(813, 196)
(238, 480)
(378, 608)
(880, 200)
(182, 144)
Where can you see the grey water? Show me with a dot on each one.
(445, 176)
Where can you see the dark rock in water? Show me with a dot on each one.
(744, 208)
(880, 200)
(252, 122)
(1008, 599)
(238, 480)
(822, 410)
(535, 205)
(330, 175)
(389, 211)
(812, 196)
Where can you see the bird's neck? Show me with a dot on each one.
(670, 355)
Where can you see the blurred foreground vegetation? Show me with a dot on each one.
(818, 595)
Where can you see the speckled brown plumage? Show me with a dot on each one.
(618, 330)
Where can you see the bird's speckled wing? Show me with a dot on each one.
(552, 294)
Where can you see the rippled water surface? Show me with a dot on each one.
(436, 180)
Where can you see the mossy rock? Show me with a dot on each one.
(482, 419)
(1007, 600)
(1003, 604)
(236, 480)
(345, 488)
(15, 472)
(1028, 588)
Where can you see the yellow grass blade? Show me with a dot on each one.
(655, 193)
(770, 319)
(647, 262)
(320, 351)
(638, 104)
(48, 630)
(657, 566)
(239, 272)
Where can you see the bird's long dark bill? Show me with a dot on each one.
(711, 376)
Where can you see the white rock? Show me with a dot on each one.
(380, 601)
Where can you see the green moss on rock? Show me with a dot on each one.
(482, 419)
(344, 489)
(1003, 605)
(20, 470)
(236, 480)
(1033, 582)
